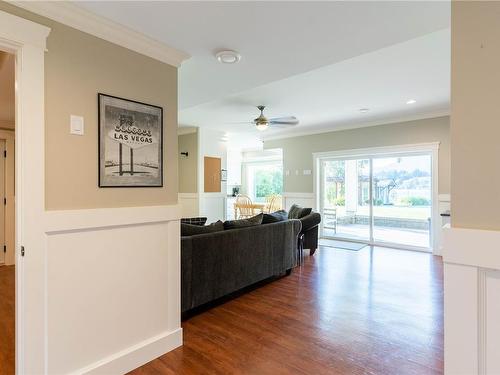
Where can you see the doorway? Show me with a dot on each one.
(380, 196)
(7, 220)
(26, 41)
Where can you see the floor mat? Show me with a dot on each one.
(354, 246)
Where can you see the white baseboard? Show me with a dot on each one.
(135, 356)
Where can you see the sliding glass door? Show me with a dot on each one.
(377, 199)
(402, 197)
(345, 198)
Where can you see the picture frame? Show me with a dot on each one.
(130, 136)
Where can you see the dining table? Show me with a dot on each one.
(253, 206)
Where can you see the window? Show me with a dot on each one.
(264, 179)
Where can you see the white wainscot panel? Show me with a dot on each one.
(302, 199)
(472, 301)
(492, 322)
(189, 203)
(213, 206)
(112, 289)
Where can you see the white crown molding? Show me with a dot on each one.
(330, 128)
(20, 31)
(74, 16)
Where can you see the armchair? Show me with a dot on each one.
(310, 229)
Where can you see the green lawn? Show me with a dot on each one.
(420, 212)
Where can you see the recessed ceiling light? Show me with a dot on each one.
(228, 57)
(364, 110)
(411, 101)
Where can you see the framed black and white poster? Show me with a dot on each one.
(130, 143)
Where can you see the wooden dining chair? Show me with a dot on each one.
(273, 203)
(244, 206)
(269, 203)
(276, 203)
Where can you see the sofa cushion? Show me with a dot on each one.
(274, 217)
(193, 230)
(297, 212)
(242, 223)
(194, 220)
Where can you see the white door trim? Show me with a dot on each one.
(27, 40)
(409, 149)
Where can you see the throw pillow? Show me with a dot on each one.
(274, 217)
(297, 212)
(242, 223)
(193, 230)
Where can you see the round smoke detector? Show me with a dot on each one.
(228, 57)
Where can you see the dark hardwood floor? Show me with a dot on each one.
(374, 311)
(7, 315)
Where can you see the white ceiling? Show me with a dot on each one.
(330, 97)
(319, 61)
(7, 82)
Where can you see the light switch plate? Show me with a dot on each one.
(306, 172)
(287, 172)
(76, 125)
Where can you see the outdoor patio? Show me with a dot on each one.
(410, 237)
(392, 224)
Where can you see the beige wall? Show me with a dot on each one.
(297, 151)
(188, 167)
(77, 67)
(475, 128)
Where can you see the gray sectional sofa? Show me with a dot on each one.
(217, 264)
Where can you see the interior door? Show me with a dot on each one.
(212, 174)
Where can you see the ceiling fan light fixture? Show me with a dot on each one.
(262, 126)
(228, 57)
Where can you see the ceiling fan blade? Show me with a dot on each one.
(291, 120)
(241, 122)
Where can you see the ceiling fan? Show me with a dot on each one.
(262, 122)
